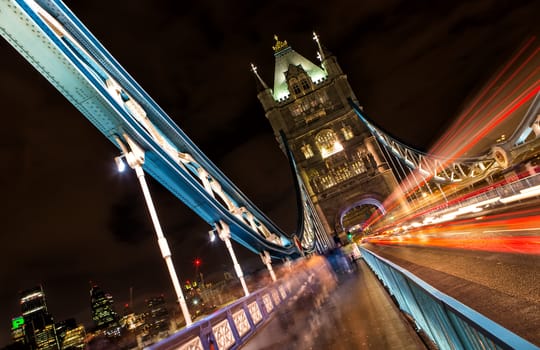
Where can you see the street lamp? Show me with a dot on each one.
(120, 165)
(135, 159)
(224, 233)
(212, 235)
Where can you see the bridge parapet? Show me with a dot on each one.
(447, 322)
(236, 323)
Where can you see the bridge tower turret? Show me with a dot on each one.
(339, 160)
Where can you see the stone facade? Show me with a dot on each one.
(339, 160)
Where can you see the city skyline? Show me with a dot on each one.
(37, 327)
(71, 218)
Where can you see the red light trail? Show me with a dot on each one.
(510, 232)
(512, 88)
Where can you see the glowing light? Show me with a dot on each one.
(17, 322)
(212, 235)
(120, 165)
(486, 97)
(532, 190)
(336, 147)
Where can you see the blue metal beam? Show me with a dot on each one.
(64, 51)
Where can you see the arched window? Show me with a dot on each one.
(327, 143)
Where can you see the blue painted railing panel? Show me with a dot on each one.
(448, 323)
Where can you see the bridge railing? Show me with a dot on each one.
(233, 325)
(448, 323)
(497, 196)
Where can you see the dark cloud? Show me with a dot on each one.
(69, 217)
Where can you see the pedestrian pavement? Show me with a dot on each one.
(358, 314)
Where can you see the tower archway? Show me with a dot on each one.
(353, 216)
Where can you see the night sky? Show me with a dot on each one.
(69, 218)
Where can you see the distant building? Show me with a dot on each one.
(70, 335)
(106, 320)
(157, 319)
(18, 330)
(39, 327)
(62, 327)
(132, 322)
(74, 338)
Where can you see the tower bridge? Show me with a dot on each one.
(343, 165)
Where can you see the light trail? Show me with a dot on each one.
(485, 114)
(499, 119)
(475, 120)
(484, 124)
(510, 232)
(460, 120)
(504, 244)
(517, 229)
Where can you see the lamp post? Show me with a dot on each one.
(267, 260)
(135, 159)
(224, 233)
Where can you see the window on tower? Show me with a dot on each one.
(323, 97)
(296, 89)
(306, 85)
(347, 132)
(296, 110)
(328, 143)
(307, 150)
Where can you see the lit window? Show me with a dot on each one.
(323, 97)
(296, 110)
(308, 152)
(328, 143)
(346, 130)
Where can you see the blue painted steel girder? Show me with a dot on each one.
(81, 81)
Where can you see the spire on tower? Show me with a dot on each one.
(259, 79)
(321, 51)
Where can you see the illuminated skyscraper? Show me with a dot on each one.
(40, 331)
(74, 338)
(103, 314)
(18, 330)
(70, 335)
(339, 161)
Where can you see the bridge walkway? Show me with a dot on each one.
(359, 314)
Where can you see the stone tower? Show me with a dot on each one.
(339, 160)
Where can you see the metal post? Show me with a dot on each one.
(135, 159)
(225, 235)
(267, 260)
(163, 245)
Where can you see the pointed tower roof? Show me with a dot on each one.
(286, 56)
